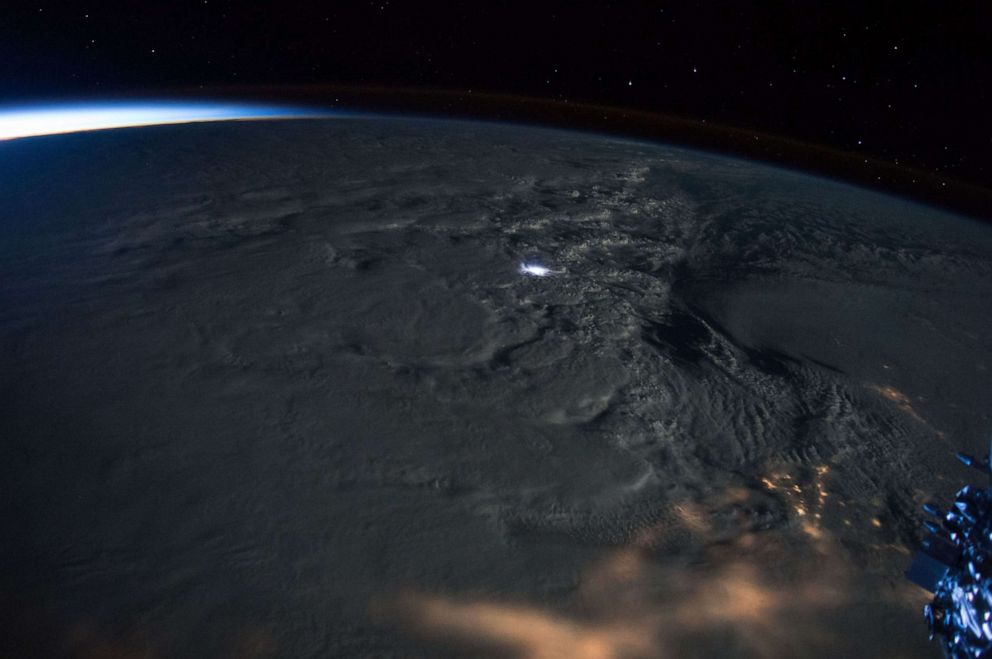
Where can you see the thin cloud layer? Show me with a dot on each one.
(685, 588)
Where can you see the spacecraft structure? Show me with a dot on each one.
(955, 564)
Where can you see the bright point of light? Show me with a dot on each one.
(29, 121)
(535, 270)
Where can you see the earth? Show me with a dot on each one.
(286, 389)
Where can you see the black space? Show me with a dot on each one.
(905, 83)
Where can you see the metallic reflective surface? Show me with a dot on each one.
(955, 563)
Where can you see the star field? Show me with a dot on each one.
(907, 85)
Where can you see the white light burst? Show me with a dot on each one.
(537, 270)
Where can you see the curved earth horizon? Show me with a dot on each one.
(373, 386)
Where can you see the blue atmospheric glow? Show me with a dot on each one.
(29, 121)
